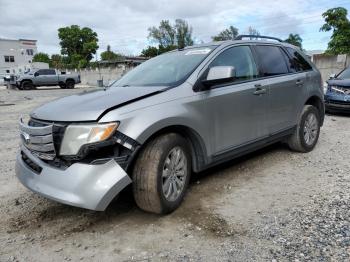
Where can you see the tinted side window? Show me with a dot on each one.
(241, 58)
(271, 60)
(41, 72)
(50, 72)
(300, 63)
(290, 62)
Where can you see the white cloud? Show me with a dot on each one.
(123, 24)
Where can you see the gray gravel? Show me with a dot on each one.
(273, 205)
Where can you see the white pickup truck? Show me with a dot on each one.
(46, 77)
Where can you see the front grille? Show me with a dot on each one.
(37, 137)
(37, 169)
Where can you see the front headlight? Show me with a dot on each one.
(76, 136)
(336, 89)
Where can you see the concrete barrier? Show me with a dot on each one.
(90, 77)
(330, 64)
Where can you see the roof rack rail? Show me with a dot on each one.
(258, 36)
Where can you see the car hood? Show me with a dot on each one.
(339, 82)
(91, 105)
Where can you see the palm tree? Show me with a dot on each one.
(295, 39)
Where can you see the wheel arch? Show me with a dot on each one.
(196, 142)
(70, 79)
(26, 80)
(317, 102)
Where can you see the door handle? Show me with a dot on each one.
(259, 91)
(299, 82)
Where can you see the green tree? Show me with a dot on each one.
(78, 44)
(336, 20)
(164, 34)
(150, 51)
(109, 55)
(169, 37)
(253, 31)
(294, 39)
(183, 33)
(41, 57)
(228, 34)
(56, 61)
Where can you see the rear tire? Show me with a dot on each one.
(27, 85)
(161, 174)
(70, 84)
(307, 132)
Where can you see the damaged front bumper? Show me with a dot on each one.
(90, 186)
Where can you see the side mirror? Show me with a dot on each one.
(332, 76)
(36, 74)
(219, 75)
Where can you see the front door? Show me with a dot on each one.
(40, 77)
(238, 109)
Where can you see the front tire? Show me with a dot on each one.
(62, 86)
(161, 174)
(27, 85)
(307, 132)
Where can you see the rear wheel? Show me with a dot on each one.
(307, 132)
(27, 85)
(70, 84)
(161, 174)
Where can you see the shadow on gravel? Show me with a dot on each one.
(235, 163)
(33, 213)
(337, 113)
(37, 213)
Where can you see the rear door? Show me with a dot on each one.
(284, 87)
(236, 111)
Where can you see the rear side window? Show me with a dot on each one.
(50, 72)
(241, 58)
(298, 60)
(271, 60)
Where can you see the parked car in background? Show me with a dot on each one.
(337, 93)
(180, 112)
(46, 77)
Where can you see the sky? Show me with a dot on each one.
(123, 24)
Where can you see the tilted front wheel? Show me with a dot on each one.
(307, 132)
(27, 85)
(63, 86)
(161, 174)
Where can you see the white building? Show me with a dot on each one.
(16, 55)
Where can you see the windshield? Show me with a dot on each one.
(169, 69)
(345, 74)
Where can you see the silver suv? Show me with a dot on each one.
(178, 113)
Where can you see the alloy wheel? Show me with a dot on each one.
(174, 174)
(310, 129)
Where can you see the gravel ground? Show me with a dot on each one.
(272, 205)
